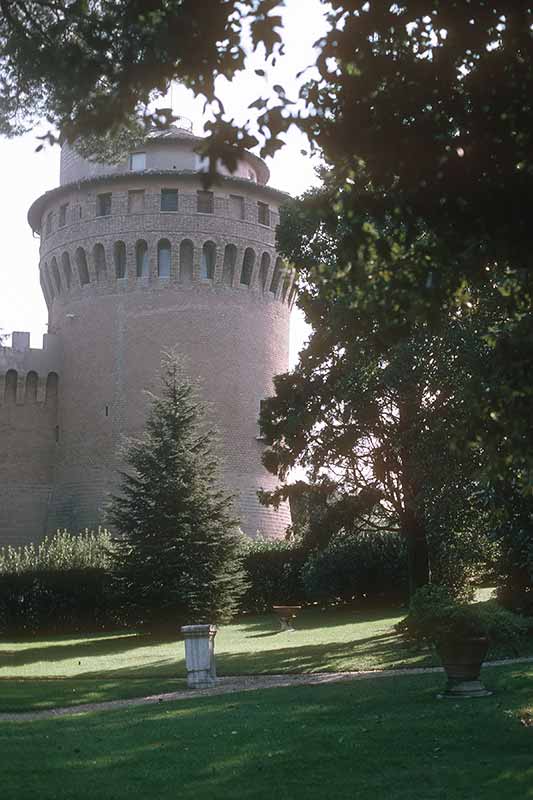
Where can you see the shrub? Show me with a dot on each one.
(178, 548)
(461, 560)
(62, 584)
(358, 566)
(273, 568)
(436, 616)
(515, 571)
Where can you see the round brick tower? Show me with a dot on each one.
(138, 258)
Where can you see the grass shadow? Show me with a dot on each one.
(112, 645)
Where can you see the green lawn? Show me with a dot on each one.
(123, 665)
(381, 739)
(37, 695)
(322, 641)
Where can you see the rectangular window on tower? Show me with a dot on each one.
(261, 436)
(63, 215)
(263, 214)
(236, 206)
(169, 199)
(138, 162)
(103, 204)
(205, 202)
(136, 201)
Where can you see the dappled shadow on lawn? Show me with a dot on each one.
(383, 651)
(38, 695)
(251, 645)
(76, 648)
(318, 618)
(382, 739)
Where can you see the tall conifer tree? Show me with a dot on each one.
(178, 541)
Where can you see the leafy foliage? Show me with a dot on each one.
(88, 68)
(178, 551)
(436, 616)
(513, 531)
(423, 111)
(351, 568)
(374, 415)
(371, 566)
(273, 570)
(63, 584)
(62, 551)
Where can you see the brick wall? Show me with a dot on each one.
(112, 330)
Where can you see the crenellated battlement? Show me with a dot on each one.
(29, 375)
(135, 259)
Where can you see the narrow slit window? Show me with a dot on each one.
(228, 268)
(100, 266)
(247, 266)
(263, 271)
(119, 253)
(52, 382)
(10, 388)
(30, 394)
(276, 277)
(63, 215)
(141, 259)
(186, 261)
(164, 253)
(209, 256)
(81, 263)
(55, 273)
(67, 269)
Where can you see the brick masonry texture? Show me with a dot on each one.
(107, 335)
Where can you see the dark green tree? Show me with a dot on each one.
(178, 544)
(91, 69)
(373, 413)
(424, 111)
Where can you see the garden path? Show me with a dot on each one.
(241, 683)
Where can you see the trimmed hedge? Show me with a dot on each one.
(273, 568)
(351, 568)
(358, 567)
(64, 584)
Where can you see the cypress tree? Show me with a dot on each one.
(178, 542)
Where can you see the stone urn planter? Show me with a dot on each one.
(285, 615)
(462, 660)
(200, 655)
(461, 633)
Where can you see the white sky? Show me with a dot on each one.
(27, 174)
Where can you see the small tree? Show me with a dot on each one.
(178, 541)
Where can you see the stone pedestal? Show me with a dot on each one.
(200, 655)
(286, 614)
